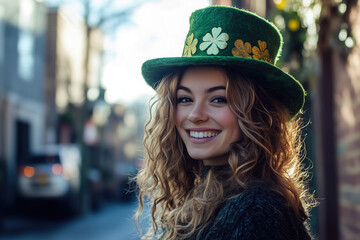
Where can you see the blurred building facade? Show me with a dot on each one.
(347, 120)
(42, 84)
(22, 52)
(347, 139)
(74, 64)
(338, 120)
(65, 85)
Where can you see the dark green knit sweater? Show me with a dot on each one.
(258, 213)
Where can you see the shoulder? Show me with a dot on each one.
(258, 204)
(255, 197)
(257, 213)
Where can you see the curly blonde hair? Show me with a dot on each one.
(269, 151)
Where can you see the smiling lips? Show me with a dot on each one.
(203, 134)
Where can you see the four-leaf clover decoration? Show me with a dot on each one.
(190, 46)
(214, 41)
(262, 53)
(217, 40)
(241, 49)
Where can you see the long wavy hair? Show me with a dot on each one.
(183, 199)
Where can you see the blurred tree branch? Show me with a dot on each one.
(103, 14)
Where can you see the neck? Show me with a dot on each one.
(216, 161)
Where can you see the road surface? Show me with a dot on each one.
(113, 221)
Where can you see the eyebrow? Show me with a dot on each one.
(209, 90)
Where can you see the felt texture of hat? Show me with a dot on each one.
(231, 37)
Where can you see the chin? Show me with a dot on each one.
(198, 157)
(212, 157)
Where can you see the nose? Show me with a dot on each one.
(198, 113)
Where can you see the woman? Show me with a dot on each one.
(223, 143)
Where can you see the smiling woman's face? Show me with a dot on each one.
(203, 118)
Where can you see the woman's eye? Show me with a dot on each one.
(219, 100)
(183, 100)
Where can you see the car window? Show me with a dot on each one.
(44, 159)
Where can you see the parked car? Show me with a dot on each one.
(52, 173)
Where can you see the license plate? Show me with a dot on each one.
(41, 180)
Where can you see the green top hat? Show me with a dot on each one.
(227, 36)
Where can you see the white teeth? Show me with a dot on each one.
(195, 134)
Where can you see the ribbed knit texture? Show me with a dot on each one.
(258, 213)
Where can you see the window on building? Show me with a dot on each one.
(2, 34)
(26, 42)
(26, 55)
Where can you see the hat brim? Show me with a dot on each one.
(281, 85)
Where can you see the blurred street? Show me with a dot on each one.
(112, 221)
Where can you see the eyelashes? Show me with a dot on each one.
(219, 100)
(216, 99)
(183, 100)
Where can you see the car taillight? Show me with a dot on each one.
(57, 169)
(28, 171)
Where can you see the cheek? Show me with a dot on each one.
(180, 116)
(229, 121)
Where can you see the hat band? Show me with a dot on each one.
(216, 41)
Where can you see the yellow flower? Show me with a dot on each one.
(241, 49)
(280, 4)
(262, 53)
(190, 46)
(294, 25)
